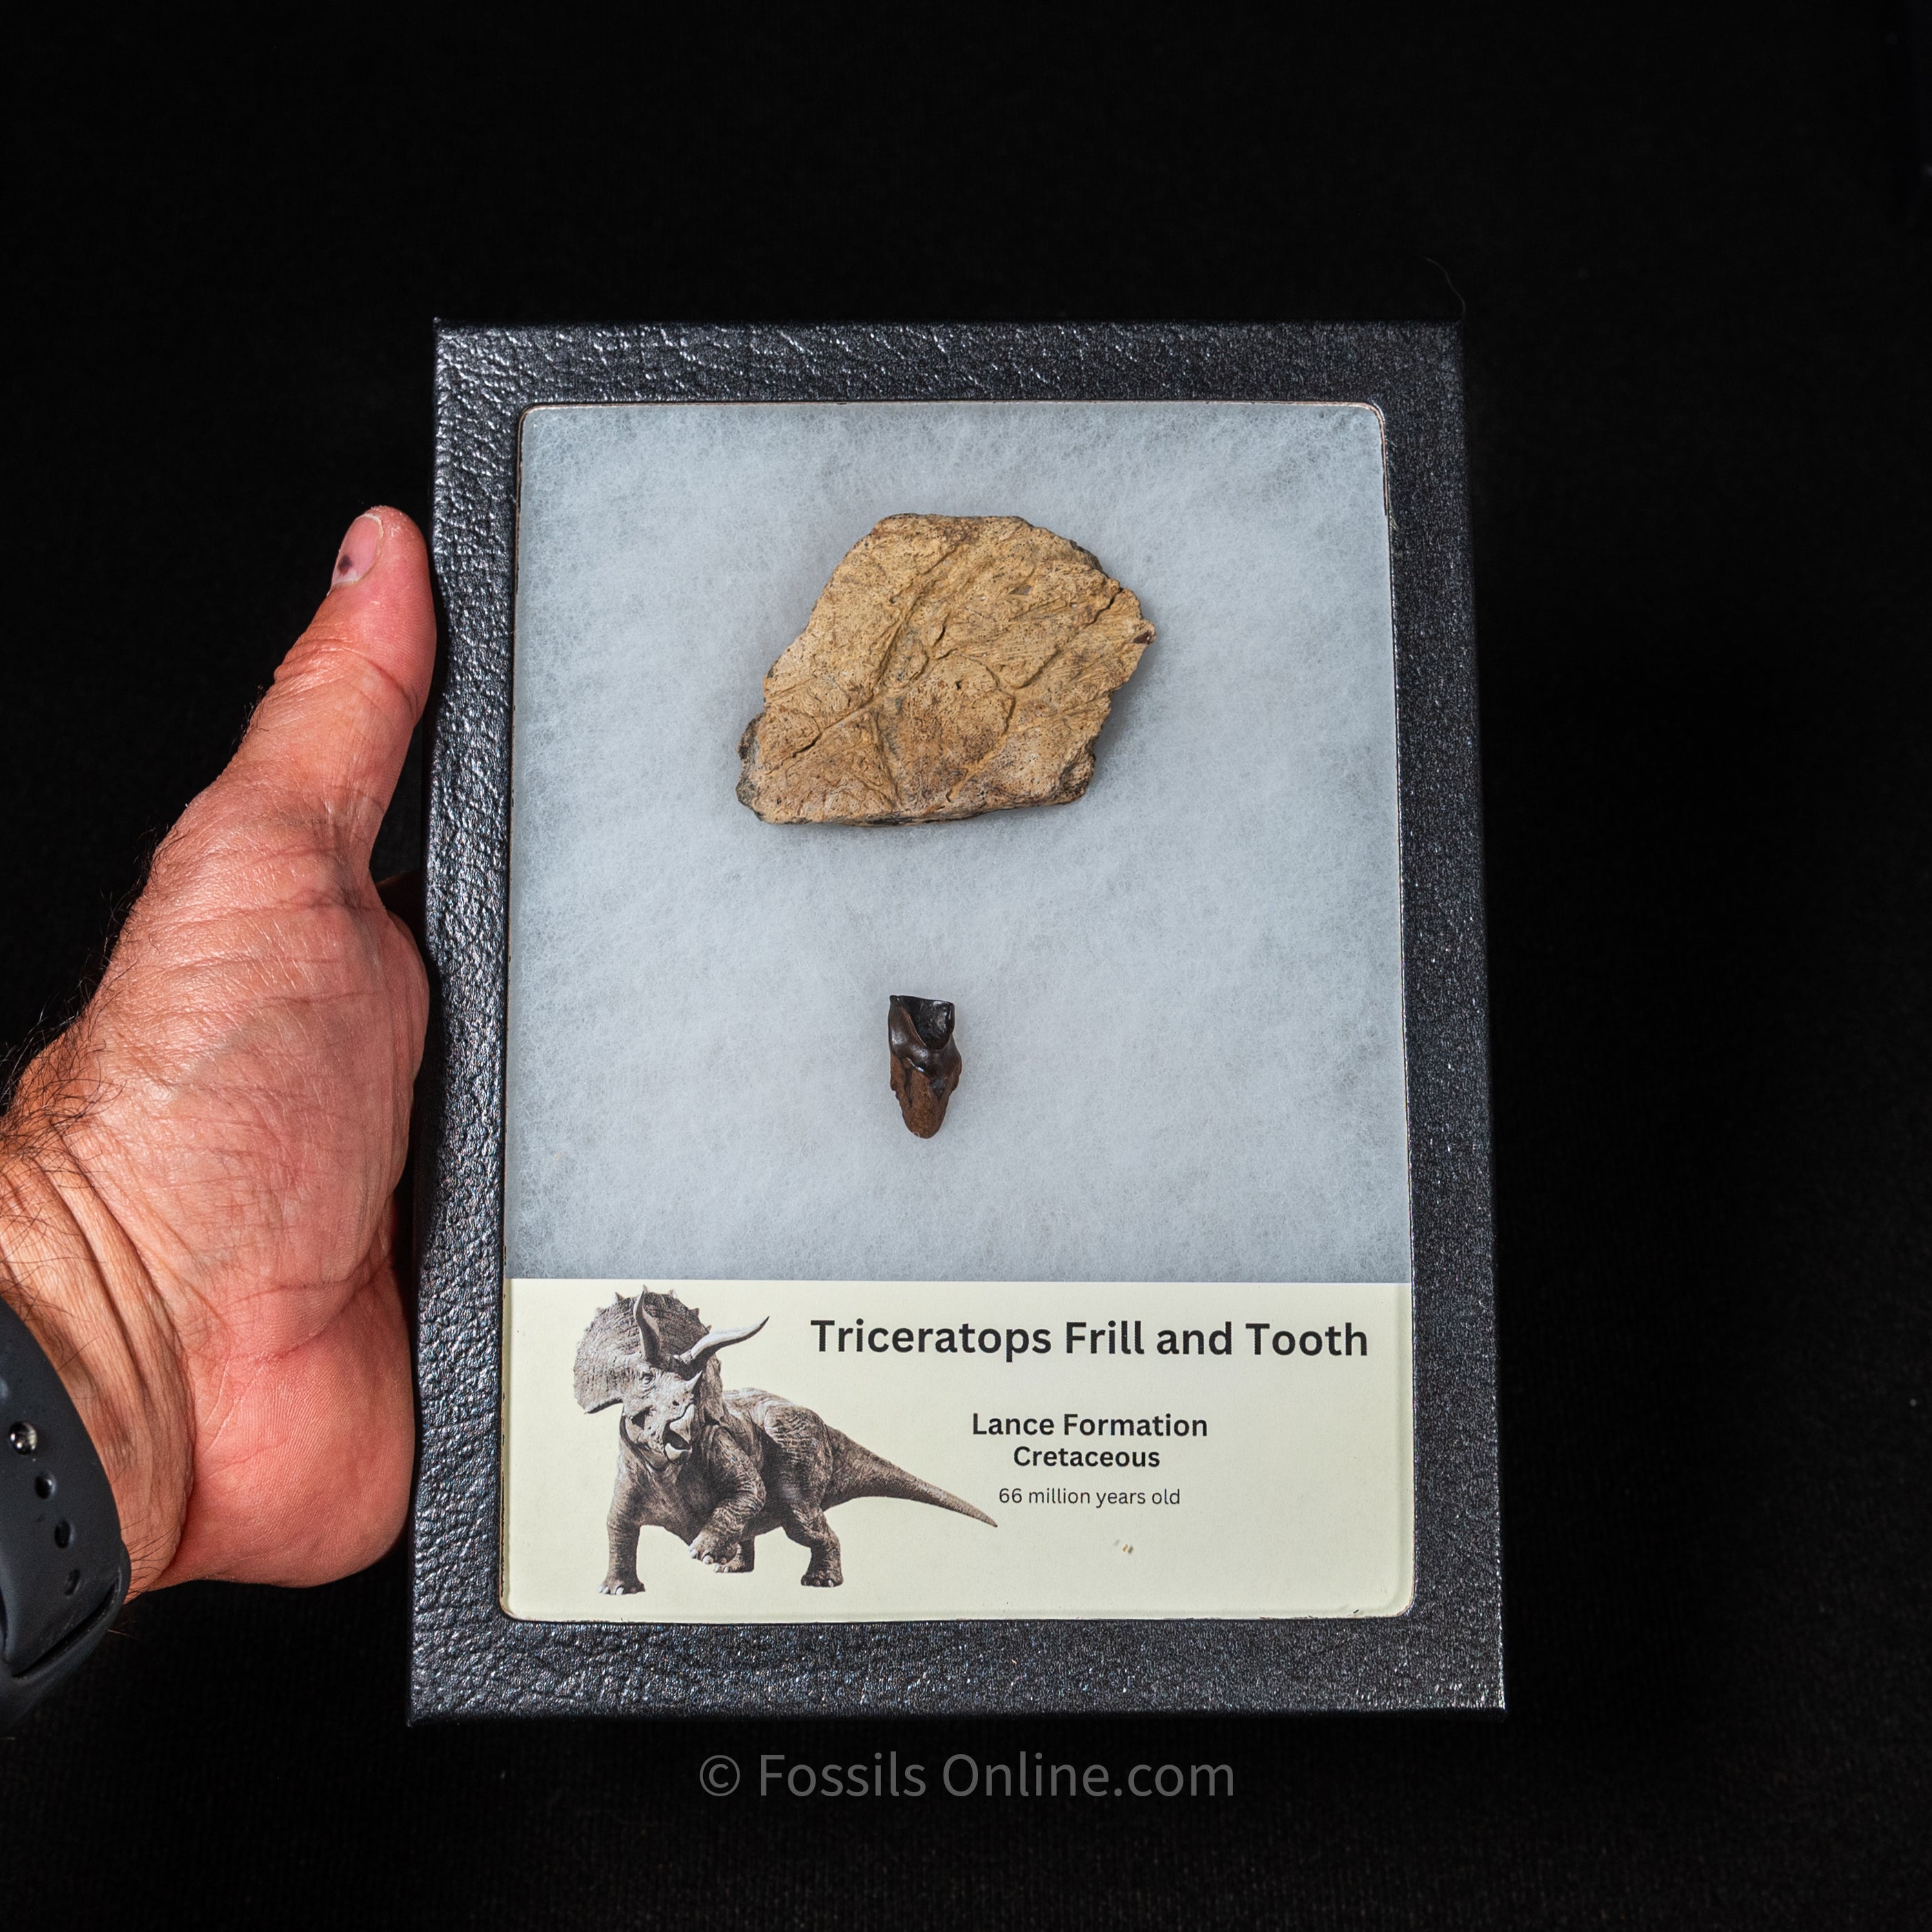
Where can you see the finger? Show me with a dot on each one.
(329, 738)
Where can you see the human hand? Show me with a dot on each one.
(197, 1216)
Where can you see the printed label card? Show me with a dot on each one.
(869, 1450)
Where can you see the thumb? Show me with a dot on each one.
(329, 739)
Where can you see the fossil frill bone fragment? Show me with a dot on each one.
(952, 665)
(925, 1062)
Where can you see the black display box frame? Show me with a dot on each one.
(468, 1658)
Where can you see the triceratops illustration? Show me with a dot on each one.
(718, 1469)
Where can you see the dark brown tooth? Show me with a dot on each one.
(926, 1063)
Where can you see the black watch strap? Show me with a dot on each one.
(63, 1570)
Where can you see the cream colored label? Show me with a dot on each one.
(1145, 1450)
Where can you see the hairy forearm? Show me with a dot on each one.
(69, 1271)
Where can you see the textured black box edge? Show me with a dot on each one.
(469, 1658)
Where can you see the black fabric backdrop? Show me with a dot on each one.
(1698, 342)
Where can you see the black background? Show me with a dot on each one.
(1698, 340)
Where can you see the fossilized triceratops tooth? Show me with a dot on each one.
(700, 1352)
(925, 1064)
